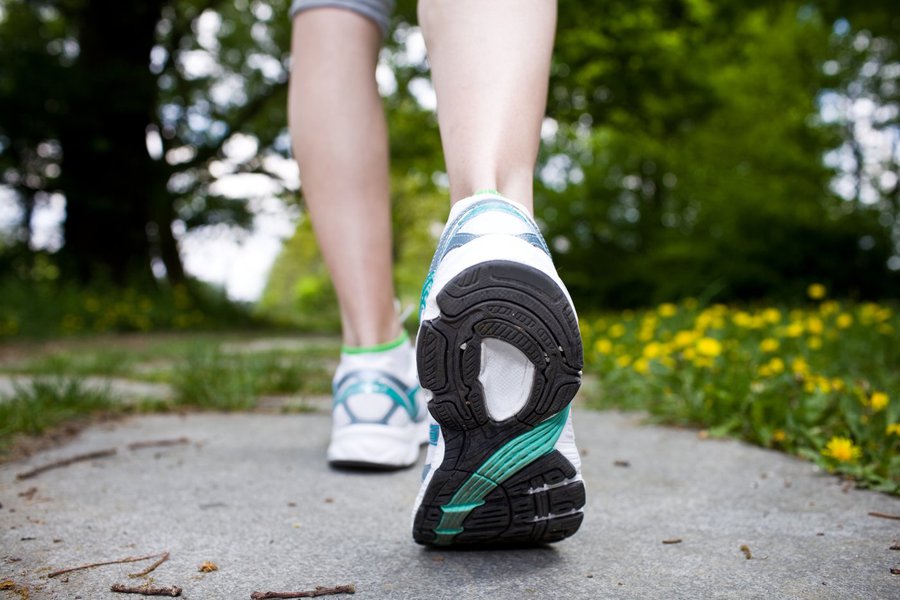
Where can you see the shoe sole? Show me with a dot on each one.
(500, 482)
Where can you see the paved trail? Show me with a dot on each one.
(251, 493)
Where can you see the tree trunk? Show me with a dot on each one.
(108, 178)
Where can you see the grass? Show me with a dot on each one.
(821, 381)
(205, 371)
(44, 403)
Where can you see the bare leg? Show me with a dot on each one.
(490, 63)
(340, 142)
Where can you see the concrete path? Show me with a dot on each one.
(252, 494)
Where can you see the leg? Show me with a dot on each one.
(340, 142)
(490, 64)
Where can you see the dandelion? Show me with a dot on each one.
(667, 309)
(844, 321)
(653, 350)
(828, 308)
(771, 315)
(779, 435)
(617, 330)
(641, 365)
(623, 361)
(794, 330)
(685, 338)
(841, 449)
(603, 346)
(710, 347)
(799, 366)
(816, 291)
(769, 345)
(815, 326)
(892, 429)
(814, 343)
(878, 401)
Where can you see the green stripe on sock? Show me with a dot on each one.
(377, 347)
(487, 191)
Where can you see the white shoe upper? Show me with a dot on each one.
(379, 413)
(488, 227)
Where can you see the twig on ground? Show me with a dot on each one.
(882, 515)
(146, 590)
(128, 559)
(319, 591)
(66, 462)
(163, 558)
(672, 541)
(158, 443)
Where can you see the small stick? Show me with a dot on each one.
(882, 515)
(319, 591)
(128, 559)
(672, 541)
(66, 462)
(158, 443)
(146, 590)
(161, 560)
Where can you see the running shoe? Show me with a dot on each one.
(499, 357)
(379, 415)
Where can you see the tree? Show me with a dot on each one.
(123, 108)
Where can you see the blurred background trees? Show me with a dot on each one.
(718, 150)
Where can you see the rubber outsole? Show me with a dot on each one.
(500, 482)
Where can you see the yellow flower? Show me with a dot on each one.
(603, 346)
(653, 350)
(617, 330)
(769, 345)
(878, 400)
(841, 449)
(893, 429)
(814, 343)
(778, 435)
(709, 347)
(794, 330)
(667, 309)
(829, 307)
(776, 365)
(815, 326)
(816, 291)
(641, 365)
(844, 321)
(685, 338)
(837, 384)
(799, 366)
(623, 361)
(771, 315)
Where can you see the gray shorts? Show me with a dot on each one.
(377, 10)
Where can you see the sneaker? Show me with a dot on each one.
(499, 356)
(379, 415)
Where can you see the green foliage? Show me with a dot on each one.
(822, 381)
(693, 166)
(53, 307)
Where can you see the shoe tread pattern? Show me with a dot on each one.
(524, 307)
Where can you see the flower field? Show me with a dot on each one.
(822, 381)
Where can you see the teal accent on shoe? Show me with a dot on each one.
(500, 466)
(377, 347)
(426, 289)
(406, 401)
